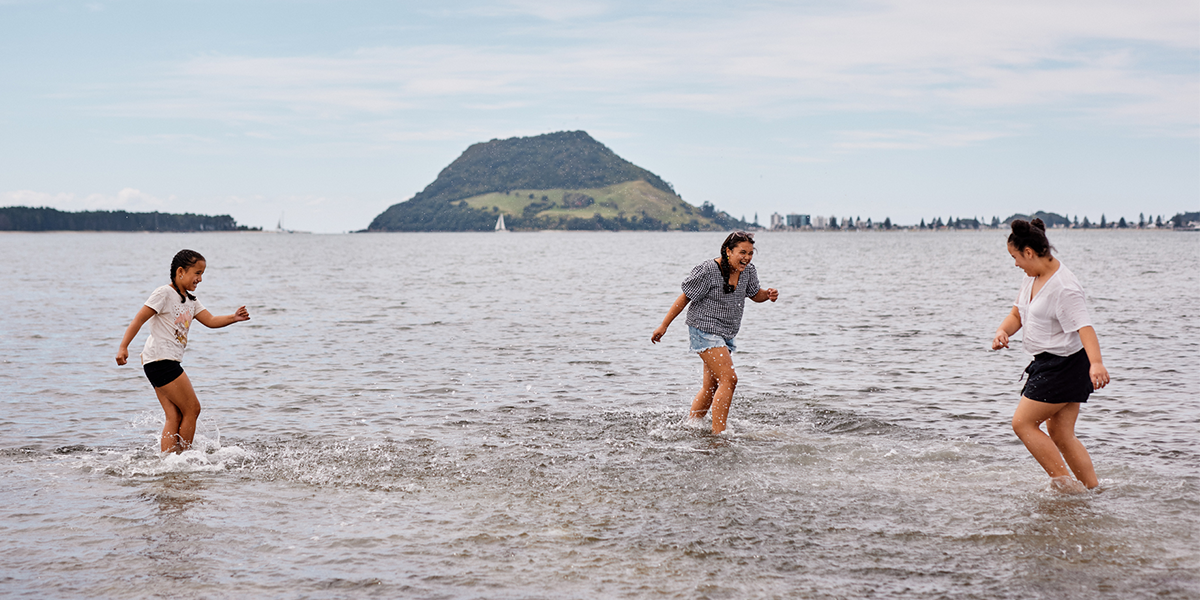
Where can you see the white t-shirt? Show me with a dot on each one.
(1053, 318)
(169, 328)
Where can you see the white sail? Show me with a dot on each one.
(500, 224)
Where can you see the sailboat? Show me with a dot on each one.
(279, 227)
(500, 224)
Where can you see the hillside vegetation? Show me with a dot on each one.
(564, 180)
(628, 205)
(24, 218)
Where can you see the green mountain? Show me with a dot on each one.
(563, 180)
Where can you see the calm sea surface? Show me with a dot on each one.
(483, 416)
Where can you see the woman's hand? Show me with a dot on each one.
(241, 314)
(765, 294)
(122, 356)
(1010, 325)
(1001, 340)
(1099, 375)
(658, 333)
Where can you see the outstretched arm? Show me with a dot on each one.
(208, 320)
(766, 294)
(1010, 325)
(676, 308)
(131, 332)
(1091, 345)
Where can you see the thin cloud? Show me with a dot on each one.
(1107, 61)
(901, 139)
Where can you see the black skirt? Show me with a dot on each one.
(1059, 379)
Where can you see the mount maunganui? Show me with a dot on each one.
(563, 180)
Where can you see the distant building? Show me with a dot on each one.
(798, 221)
(777, 221)
(819, 222)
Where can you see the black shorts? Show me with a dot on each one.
(1059, 379)
(162, 372)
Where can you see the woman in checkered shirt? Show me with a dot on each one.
(714, 295)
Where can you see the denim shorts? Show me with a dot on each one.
(701, 341)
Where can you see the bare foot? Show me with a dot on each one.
(1066, 485)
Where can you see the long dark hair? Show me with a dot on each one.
(1030, 234)
(184, 259)
(734, 239)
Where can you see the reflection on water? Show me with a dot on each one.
(173, 493)
(172, 541)
(478, 416)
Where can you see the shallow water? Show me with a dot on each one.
(483, 416)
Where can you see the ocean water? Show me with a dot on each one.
(483, 416)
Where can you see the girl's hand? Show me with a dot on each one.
(658, 333)
(122, 356)
(241, 314)
(1099, 375)
(1001, 340)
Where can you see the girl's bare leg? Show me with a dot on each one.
(704, 398)
(182, 408)
(720, 364)
(1061, 428)
(1026, 422)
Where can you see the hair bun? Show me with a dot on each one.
(1030, 235)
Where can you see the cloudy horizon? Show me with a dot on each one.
(326, 113)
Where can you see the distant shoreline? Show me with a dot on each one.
(39, 219)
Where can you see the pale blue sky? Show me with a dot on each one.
(327, 112)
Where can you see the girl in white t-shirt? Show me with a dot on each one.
(1066, 366)
(170, 311)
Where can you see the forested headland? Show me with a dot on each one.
(24, 218)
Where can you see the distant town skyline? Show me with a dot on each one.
(325, 113)
(800, 221)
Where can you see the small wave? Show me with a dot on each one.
(205, 455)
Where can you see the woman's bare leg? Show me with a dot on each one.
(704, 398)
(1061, 428)
(182, 408)
(1026, 422)
(720, 364)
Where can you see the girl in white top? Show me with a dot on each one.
(1066, 367)
(170, 310)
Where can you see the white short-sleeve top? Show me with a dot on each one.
(1051, 320)
(169, 326)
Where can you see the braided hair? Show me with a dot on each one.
(1030, 234)
(732, 241)
(184, 259)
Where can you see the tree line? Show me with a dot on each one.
(24, 218)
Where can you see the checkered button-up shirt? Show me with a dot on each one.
(710, 309)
